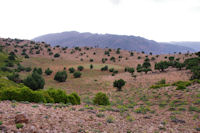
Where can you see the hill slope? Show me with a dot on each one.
(71, 39)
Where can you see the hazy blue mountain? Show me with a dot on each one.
(193, 45)
(135, 43)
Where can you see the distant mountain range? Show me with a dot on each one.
(193, 45)
(134, 43)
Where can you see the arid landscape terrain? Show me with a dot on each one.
(151, 100)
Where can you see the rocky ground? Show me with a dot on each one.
(41, 118)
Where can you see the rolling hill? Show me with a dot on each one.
(73, 38)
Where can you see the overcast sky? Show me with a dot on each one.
(160, 20)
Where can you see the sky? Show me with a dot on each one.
(159, 20)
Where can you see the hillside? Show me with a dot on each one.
(139, 44)
(151, 100)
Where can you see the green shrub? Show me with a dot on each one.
(181, 87)
(19, 125)
(129, 69)
(14, 77)
(101, 99)
(61, 76)
(111, 70)
(34, 81)
(184, 83)
(38, 70)
(162, 81)
(159, 86)
(195, 109)
(77, 74)
(56, 55)
(142, 109)
(80, 68)
(28, 69)
(78, 100)
(48, 71)
(105, 68)
(71, 70)
(119, 83)
(110, 119)
(58, 95)
(91, 66)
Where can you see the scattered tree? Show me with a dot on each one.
(119, 84)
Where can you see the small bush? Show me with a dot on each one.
(28, 69)
(110, 119)
(19, 125)
(34, 81)
(111, 70)
(80, 68)
(195, 109)
(56, 55)
(48, 71)
(71, 70)
(119, 83)
(91, 66)
(58, 95)
(38, 70)
(181, 87)
(61, 76)
(77, 74)
(184, 83)
(14, 77)
(105, 68)
(101, 99)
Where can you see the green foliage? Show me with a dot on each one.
(181, 87)
(129, 69)
(139, 68)
(161, 66)
(56, 55)
(146, 64)
(19, 125)
(142, 109)
(20, 68)
(61, 76)
(111, 70)
(101, 99)
(77, 74)
(179, 65)
(14, 77)
(195, 109)
(105, 68)
(58, 95)
(28, 69)
(91, 66)
(118, 84)
(109, 119)
(71, 70)
(48, 71)
(160, 84)
(80, 68)
(37, 70)
(162, 81)
(183, 83)
(34, 81)
(171, 58)
(112, 59)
